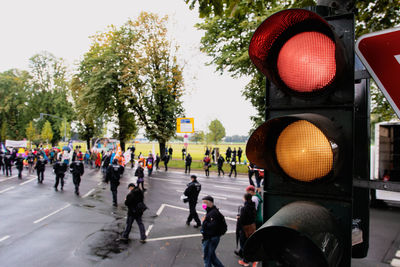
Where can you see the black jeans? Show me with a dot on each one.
(59, 177)
(8, 170)
(251, 173)
(187, 168)
(77, 181)
(233, 169)
(40, 175)
(20, 173)
(193, 213)
(220, 170)
(114, 192)
(129, 222)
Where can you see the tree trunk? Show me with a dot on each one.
(88, 144)
(162, 148)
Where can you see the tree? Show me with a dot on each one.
(198, 137)
(104, 91)
(47, 132)
(30, 133)
(217, 131)
(65, 129)
(49, 91)
(229, 24)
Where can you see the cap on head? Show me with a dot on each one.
(131, 185)
(251, 188)
(209, 198)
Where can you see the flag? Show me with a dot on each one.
(3, 148)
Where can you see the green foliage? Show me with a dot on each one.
(216, 131)
(65, 129)
(47, 132)
(198, 137)
(30, 131)
(229, 24)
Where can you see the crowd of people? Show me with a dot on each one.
(112, 164)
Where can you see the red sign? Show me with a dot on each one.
(380, 54)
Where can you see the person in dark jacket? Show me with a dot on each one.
(139, 173)
(2, 165)
(170, 150)
(157, 161)
(113, 175)
(251, 173)
(220, 163)
(133, 156)
(228, 154)
(239, 154)
(132, 200)
(106, 162)
(192, 192)
(210, 231)
(8, 163)
(31, 161)
(247, 222)
(183, 153)
(166, 160)
(19, 163)
(233, 167)
(188, 163)
(59, 169)
(40, 168)
(77, 169)
(207, 165)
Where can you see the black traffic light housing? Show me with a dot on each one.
(309, 64)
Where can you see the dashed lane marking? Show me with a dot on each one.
(30, 180)
(398, 254)
(185, 209)
(88, 193)
(9, 178)
(4, 238)
(179, 237)
(7, 189)
(149, 229)
(51, 214)
(395, 263)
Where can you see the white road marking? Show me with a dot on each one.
(149, 229)
(7, 189)
(30, 180)
(88, 193)
(395, 263)
(398, 254)
(51, 214)
(397, 57)
(179, 237)
(4, 238)
(228, 187)
(100, 183)
(185, 209)
(223, 198)
(160, 209)
(12, 177)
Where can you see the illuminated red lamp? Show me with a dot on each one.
(298, 51)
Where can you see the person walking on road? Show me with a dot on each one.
(113, 175)
(157, 161)
(166, 160)
(257, 199)
(133, 156)
(139, 173)
(19, 163)
(59, 169)
(233, 167)
(31, 161)
(207, 165)
(188, 163)
(149, 164)
(220, 164)
(8, 163)
(136, 207)
(192, 192)
(40, 168)
(247, 223)
(212, 228)
(2, 164)
(77, 169)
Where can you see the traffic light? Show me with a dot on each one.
(306, 144)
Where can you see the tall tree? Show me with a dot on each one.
(49, 91)
(14, 94)
(30, 133)
(155, 77)
(103, 87)
(47, 132)
(216, 131)
(229, 24)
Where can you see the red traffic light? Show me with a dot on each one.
(304, 147)
(297, 50)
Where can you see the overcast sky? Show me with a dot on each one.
(63, 27)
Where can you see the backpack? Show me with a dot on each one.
(222, 227)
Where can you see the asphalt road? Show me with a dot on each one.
(41, 227)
